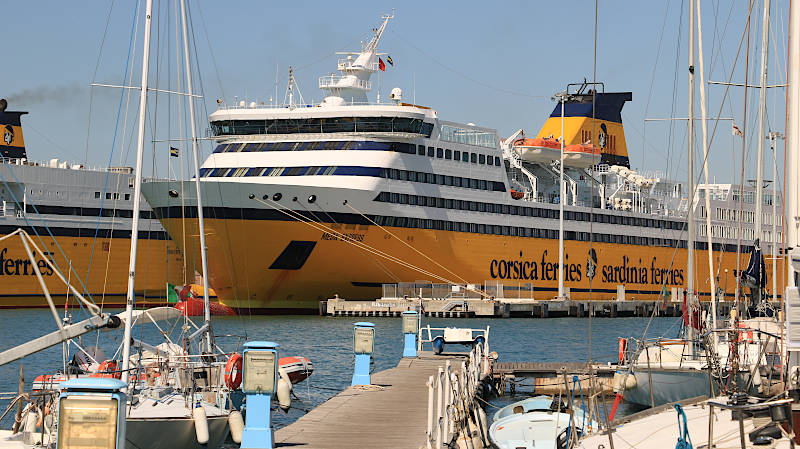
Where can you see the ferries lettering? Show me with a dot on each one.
(23, 267)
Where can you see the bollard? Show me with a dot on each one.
(259, 379)
(92, 409)
(410, 329)
(363, 345)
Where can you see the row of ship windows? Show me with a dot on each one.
(87, 211)
(112, 196)
(323, 125)
(515, 231)
(377, 172)
(510, 209)
(732, 232)
(399, 147)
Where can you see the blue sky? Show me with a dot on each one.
(496, 65)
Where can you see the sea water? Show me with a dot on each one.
(328, 343)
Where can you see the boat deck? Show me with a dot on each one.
(391, 413)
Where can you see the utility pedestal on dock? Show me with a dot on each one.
(260, 374)
(363, 342)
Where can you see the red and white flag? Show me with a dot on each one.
(736, 131)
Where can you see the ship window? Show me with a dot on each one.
(430, 151)
(482, 184)
(497, 161)
(457, 155)
(473, 183)
(481, 207)
(448, 154)
(457, 181)
(96, 195)
(448, 203)
(108, 195)
(473, 158)
(430, 178)
(482, 159)
(440, 179)
(439, 153)
(464, 157)
(127, 197)
(421, 150)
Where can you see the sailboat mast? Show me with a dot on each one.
(137, 193)
(704, 126)
(195, 155)
(690, 187)
(762, 112)
(792, 173)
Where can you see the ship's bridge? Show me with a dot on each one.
(265, 121)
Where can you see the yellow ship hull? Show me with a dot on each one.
(242, 251)
(98, 267)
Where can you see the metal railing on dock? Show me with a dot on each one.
(453, 412)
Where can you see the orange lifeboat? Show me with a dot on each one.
(581, 155)
(517, 195)
(538, 150)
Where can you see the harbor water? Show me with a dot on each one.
(327, 342)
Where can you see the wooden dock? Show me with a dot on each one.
(391, 413)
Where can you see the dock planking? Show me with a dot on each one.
(390, 414)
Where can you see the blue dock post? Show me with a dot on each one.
(259, 378)
(363, 345)
(92, 409)
(410, 329)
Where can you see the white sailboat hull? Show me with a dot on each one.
(669, 385)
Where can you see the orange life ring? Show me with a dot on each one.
(740, 336)
(108, 369)
(623, 347)
(233, 371)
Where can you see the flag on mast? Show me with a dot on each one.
(381, 65)
(173, 152)
(389, 60)
(736, 131)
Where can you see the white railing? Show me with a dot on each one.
(453, 412)
(347, 64)
(347, 81)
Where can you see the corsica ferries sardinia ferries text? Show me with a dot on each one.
(307, 201)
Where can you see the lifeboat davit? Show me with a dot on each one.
(538, 150)
(194, 307)
(298, 368)
(582, 155)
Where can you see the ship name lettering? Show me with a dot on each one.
(342, 236)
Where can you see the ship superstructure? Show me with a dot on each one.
(308, 201)
(81, 216)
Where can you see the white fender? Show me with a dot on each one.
(200, 424)
(236, 424)
(284, 390)
(30, 434)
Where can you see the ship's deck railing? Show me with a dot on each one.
(347, 64)
(55, 163)
(346, 81)
(257, 105)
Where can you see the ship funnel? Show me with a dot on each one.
(12, 144)
(599, 124)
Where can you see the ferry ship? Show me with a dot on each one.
(306, 201)
(81, 217)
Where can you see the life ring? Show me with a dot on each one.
(108, 369)
(740, 335)
(233, 372)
